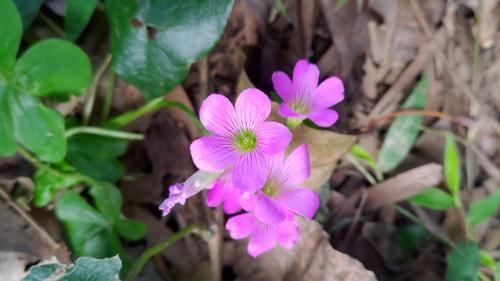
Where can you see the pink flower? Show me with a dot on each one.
(224, 192)
(263, 237)
(180, 192)
(283, 189)
(303, 98)
(240, 138)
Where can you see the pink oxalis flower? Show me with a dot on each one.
(304, 99)
(223, 192)
(240, 138)
(272, 209)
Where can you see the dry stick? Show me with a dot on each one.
(357, 215)
(394, 94)
(43, 234)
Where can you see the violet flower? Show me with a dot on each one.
(283, 189)
(240, 138)
(179, 192)
(304, 99)
(224, 192)
(263, 236)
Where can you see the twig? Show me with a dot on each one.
(91, 93)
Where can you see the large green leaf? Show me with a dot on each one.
(89, 232)
(28, 10)
(463, 263)
(37, 127)
(96, 156)
(78, 14)
(10, 30)
(47, 184)
(154, 43)
(7, 140)
(452, 168)
(131, 230)
(404, 130)
(433, 198)
(54, 67)
(108, 200)
(85, 268)
(481, 210)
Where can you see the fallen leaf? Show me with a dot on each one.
(312, 259)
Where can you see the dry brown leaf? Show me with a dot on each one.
(312, 259)
(12, 265)
(404, 185)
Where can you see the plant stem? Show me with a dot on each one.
(109, 96)
(93, 89)
(103, 132)
(50, 23)
(362, 169)
(150, 252)
(154, 105)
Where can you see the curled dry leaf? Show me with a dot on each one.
(313, 258)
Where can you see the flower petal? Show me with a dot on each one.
(212, 153)
(175, 196)
(329, 92)
(217, 115)
(285, 111)
(247, 201)
(272, 137)
(215, 195)
(305, 78)
(232, 200)
(241, 226)
(302, 201)
(252, 107)
(250, 171)
(282, 85)
(288, 234)
(296, 168)
(268, 210)
(263, 239)
(324, 118)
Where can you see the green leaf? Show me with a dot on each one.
(28, 10)
(487, 260)
(433, 198)
(47, 184)
(154, 43)
(7, 140)
(89, 233)
(404, 129)
(452, 168)
(358, 151)
(463, 263)
(96, 156)
(411, 237)
(78, 14)
(11, 31)
(108, 200)
(37, 127)
(131, 230)
(54, 67)
(481, 210)
(85, 268)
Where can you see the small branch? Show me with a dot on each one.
(150, 252)
(461, 120)
(91, 93)
(103, 132)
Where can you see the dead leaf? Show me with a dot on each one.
(404, 185)
(12, 265)
(312, 259)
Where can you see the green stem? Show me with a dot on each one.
(109, 96)
(154, 105)
(103, 132)
(150, 252)
(50, 23)
(91, 93)
(362, 169)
